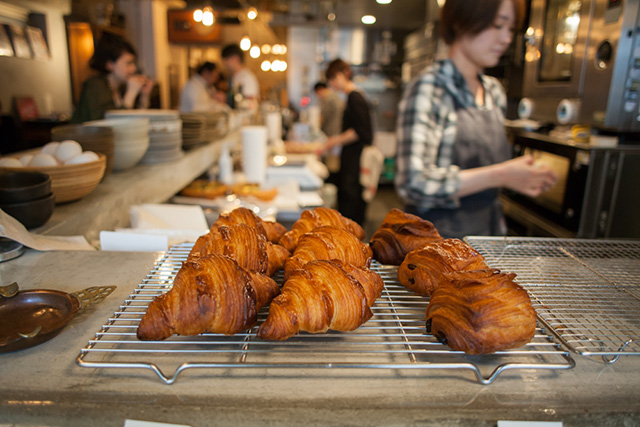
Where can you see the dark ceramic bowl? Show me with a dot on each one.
(33, 213)
(18, 187)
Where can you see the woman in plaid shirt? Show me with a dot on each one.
(453, 155)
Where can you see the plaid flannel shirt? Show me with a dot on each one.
(426, 134)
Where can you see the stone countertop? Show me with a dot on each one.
(107, 207)
(43, 385)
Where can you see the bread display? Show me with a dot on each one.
(422, 269)
(480, 312)
(245, 245)
(328, 243)
(205, 189)
(317, 217)
(322, 295)
(210, 294)
(399, 234)
(273, 231)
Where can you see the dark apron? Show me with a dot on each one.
(481, 141)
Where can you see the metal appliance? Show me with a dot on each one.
(582, 63)
(596, 194)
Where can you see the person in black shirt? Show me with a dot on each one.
(357, 133)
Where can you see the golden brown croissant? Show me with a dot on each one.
(245, 245)
(328, 243)
(210, 294)
(399, 234)
(321, 296)
(317, 217)
(480, 312)
(273, 231)
(422, 268)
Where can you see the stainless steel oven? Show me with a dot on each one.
(582, 63)
(597, 194)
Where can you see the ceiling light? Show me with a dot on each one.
(252, 13)
(383, 1)
(368, 19)
(283, 49)
(197, 15)
(207, 16)
(266, 49)
(265, 66)
(245, 43)
(276, 49)
(254, 52)
(331, 16)
(440, 2)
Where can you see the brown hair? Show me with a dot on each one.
(338, 66)
(460, 17)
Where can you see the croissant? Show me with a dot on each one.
(273, 231)
(328, 243)
(210, 294)
(243, 244)
(317, 217)
(399, 234)
(422, 268)
(481, 312)
(322, 295)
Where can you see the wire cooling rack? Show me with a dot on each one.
(587, 292)
(394, 338)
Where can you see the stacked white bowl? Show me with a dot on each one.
(165, 133)
(130, 139)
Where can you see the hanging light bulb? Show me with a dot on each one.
(265, 66)
(245, 43)
(266, 49)
(283, 65)
(368, 19)
(207, 16)
(252, 13)
(197, 15)
(276, 49)
(283, 49)
(254, 52)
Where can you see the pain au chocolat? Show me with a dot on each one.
(422, 269)
(399, 234)
(480, 312)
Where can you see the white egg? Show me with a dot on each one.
(10, 162)
(86, 157)
(68, 149)
(43, 159)
(50, 148)
(26, 159)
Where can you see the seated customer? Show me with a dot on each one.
(199, 94)
(117, 84)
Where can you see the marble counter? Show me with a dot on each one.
(107, 207)
(43, 386)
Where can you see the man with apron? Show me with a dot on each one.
(453, 155)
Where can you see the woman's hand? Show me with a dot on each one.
(137, 84)
(524, 176)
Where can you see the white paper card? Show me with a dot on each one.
(179, 217)
(136, 423)
(529, 423)
(14, 230)
(132, 242)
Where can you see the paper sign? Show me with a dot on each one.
(529, 424)
(132, 242)
(135, 423)
(14, 230)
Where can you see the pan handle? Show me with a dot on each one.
(93, 295)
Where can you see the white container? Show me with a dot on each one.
(274, 126)
(225, 167)
(314, 117)
(254, 153)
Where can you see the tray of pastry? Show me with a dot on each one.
(586, 292)
(394, 338)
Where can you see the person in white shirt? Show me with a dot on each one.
(243, 81)
(199, 92)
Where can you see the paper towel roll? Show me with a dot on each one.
(525, 108)
(567, 111)
(254, 153)
(274, 126)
